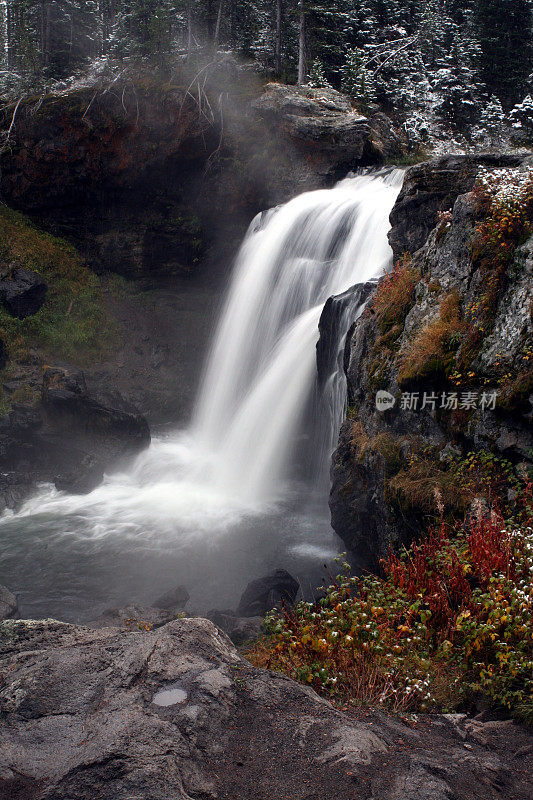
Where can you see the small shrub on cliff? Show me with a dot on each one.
(423, 483)
(430, 485)
(395, 296)
(431, 355)
(450, 618)
(385, 445)
(505, 201)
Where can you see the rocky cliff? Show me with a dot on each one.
(449, 337)
(144, 175)
(177, 712)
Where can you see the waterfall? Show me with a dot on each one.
(262, 366)
(260, 376)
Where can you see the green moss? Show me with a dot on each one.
(408, 159)
(73, 323)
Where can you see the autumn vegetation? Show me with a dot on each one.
(447, 623)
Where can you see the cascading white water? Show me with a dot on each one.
(226, 500)
(260, 373)
(262, 365)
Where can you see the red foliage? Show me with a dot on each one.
(489, 548)
(442, 568)
(433, 569)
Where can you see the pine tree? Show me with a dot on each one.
(505, 34)
(357, 81)
(522, 115)
(317, 77)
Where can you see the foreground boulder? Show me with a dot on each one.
(262, 594)
(22, 292)
(177, 713)
(134, 617)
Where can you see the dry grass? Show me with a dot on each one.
(431, 355)
(421, 487)
(395, 296)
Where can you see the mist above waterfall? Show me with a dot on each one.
(234, 474)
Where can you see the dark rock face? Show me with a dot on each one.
(239, 629)
(331, 322)
(101, 429)
(86, 477)
(145, 184)
(21, 452)
(262, 594)
(176, 598)
(432, 187)
(68, 402)
(8, 604)
(370, 508)
(122, 173)
(177, 713)
(22, 292)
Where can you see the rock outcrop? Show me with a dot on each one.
(263, 594)
(392, 469)
(101, 429)
(176, 712)
(328, 136)
(145, 177)
(22, 292)
(337, 310)
(434, 186)
(108, 418)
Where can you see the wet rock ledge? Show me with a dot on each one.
(176, 712)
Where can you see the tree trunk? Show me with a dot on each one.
(217, 28)
(209, 20)
(10, 35)
(108, 10)
(45, 33)
(302, 56)
(189, 30)
(279, 20)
